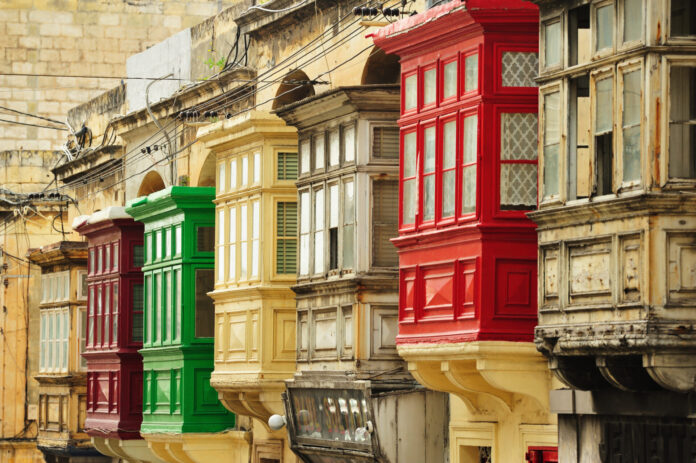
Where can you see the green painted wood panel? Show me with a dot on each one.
(178, 315)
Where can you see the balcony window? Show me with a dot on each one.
(348, 224)
(429, 86)
(54, 340)
(411, 92)
(631, 117)
(682, 122)
(305, 218)
(471, 73)
(449, 166)
(683, 18)
(257, 168)
(204, 310)
(304, 156)
(604, 22)
(579, 35)
(319, 212)
(603, 135)
(82, 324)
(349, 143)
(469, 155)
(255, 237)
(632, 20)
(138, 303)
(409, 181)
(221, 245)
(286, 237)
(243, 241)
(233, 244)
(428, 205)
(552, 140)
(385, 142)
(287, 166)
(221, 177)
(449, 86)
(518, 161)
(334, 210)
(520, 68)
(552, 44)
(245, 171)
(319, 148)
(385, 204)
(334, 147)
(233, 174)
(114, 314)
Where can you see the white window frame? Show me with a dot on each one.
(305, 226)
(232, 275)
(221, 183)
(233, 174)
(594, 52)
(542, 43)
(55, 348)
(596, 75)
(621, 24)
(255, 239)
(668, 62)
(305, 154)
(220, 245)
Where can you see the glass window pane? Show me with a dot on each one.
(107, 314)
(158, 244)
(177, 244)
(221, 177)
(411, 92)
(429, 150)
(552, 127)
(304, 156)
(257, 167)
(605, 27)
(319, 151)
(429, 197)
(470, 139)
(520, 69)
(429, 86)
(107, 259)
(552, 44)
(319, 210)
(603, 108)
(683, 18)
(319, 252)
(304, 254)
(168, 308)
(631, 153)
(233, 174)
(348, 227)
(99, 316)
(245, 170)
(518, 186)
(138, 256)
(117, 256)
(348, 203)
(471, 69)
(633, 20)
(409, 155)
(449, 145)
(333, 206)
(137, 319)
(631, 98)
(448, 193)
(205, 311)
(233, 243)
(631, 125)
(349, 143)
(551, 174)
(114, 314)
(469, 189)
(450, 80)
(518, 136)
(334, 147)
(409, 201)
(205, 239)
(348, 246)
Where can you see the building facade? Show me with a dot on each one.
(182, 416)
(350, 382)
(616, 225)
(62, 405)
(467, 252)
(256, 251)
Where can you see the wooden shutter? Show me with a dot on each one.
(385, 142)
(385, 211)
(287, 166)
(286, 237)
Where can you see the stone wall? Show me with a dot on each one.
(76, 37)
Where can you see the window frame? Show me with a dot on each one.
(53, 349)
(605, 52)
(542, 198)
(442, 63)
(622, 69)
(671, 38)
(462, 217)
(605, 72)
(406, 130)
(499, 50)
(277, 237)
(499, 212)
(667, 63)
(434, 66)
(544, 23)
(405, 76)
(621, 27)
(441, 221)
(476, 50)
(425, 124)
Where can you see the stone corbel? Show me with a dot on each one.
(524, 376)
(431, 375)
(466, 376)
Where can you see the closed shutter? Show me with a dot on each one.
(385, 142)
(385, 214)
(287, 166)
(286, 241)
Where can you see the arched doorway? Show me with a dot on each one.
(151, 183)
(294, 87)
(381, 68)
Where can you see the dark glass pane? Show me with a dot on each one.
(205, 311)
(138, 255)
(206, 239)
(137, 322)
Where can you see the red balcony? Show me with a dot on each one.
(468, 171)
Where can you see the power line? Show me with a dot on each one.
(32, 115)
(33, 125)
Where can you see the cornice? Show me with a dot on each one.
(62, 252)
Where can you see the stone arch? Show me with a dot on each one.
(381, 68)
(291, 91)
(151, 183)
(206, 177)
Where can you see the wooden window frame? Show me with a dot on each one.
(607, 72)
(622, 69)
(543, 199)
(542, 43)
(667, 63)
(621, 27)
(605, 52)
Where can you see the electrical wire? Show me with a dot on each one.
(31, 115)
(6, 121)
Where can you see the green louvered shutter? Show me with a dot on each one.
(287, 166)
(286, 241)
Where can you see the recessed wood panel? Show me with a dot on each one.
(515, 288)
(590, 272)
